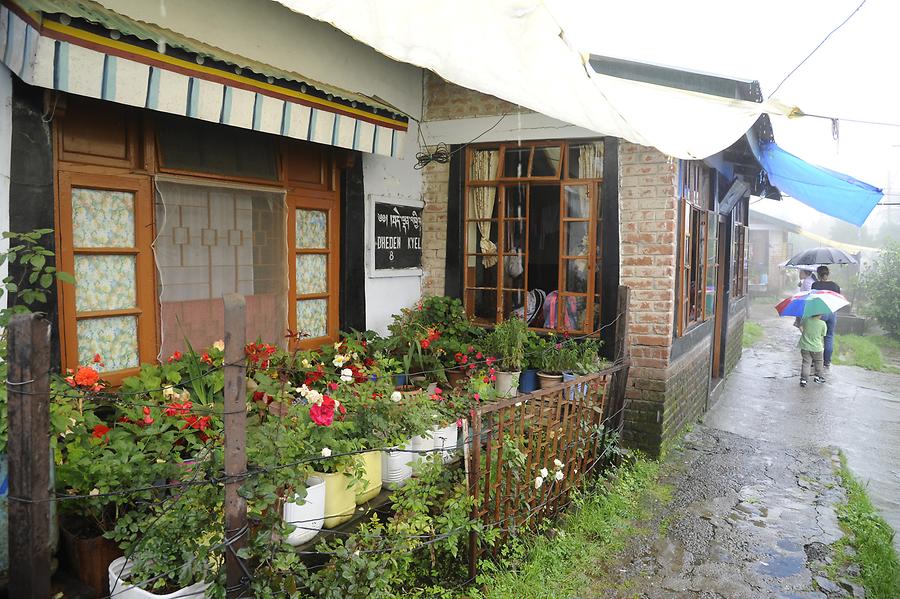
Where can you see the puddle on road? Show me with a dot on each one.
(782, 566)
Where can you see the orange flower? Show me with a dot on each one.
(86, 376)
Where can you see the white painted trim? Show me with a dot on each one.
(528, 126)
(399, 200)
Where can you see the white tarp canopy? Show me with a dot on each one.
(515, 50)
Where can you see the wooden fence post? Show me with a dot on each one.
(29, 456)
(618, 384)
(235, 442)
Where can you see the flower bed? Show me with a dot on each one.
(142, 465)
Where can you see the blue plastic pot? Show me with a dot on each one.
(399, 380)
(528, 381)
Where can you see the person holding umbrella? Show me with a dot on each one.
(809, 306)
(830, 319)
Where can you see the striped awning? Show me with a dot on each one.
(81, 55)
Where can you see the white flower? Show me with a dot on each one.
(169, 392)
(559, 475)
(95, 491)
(326, 452)
(314, 397)
(339, 360)
(396, 397)
(337, 345)
(302, 390)
(305, 363)
(346, 375)
(544, 473)
(538, 482)
(219, 345)
(558, 464)
(355, 356)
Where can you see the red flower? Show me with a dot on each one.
(175, 357)
(205, 358)
(100, 431)
(477, 397)
(479, 356)
(194, 422)
(98, 360)
(424, 343)
(260, 396)
(490, 360)
(147, 419)
(333, 386)
(323, 414)
(86, 376)
(460, 359)
(178, 409)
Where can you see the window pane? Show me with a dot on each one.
(586, 161)
(543, 238)
(102, 218)
(312, 273)
(312, 229)
(545, 162)
(312, 317)
(193, 145)
(574, 312)
(514, 271)
(482, 237)
(515, 201)
(213, 241)
(577, 238)
(576, 275)
(485, 165)
(482, 203)
(104, 283)
(515, 236)
(516, 162)
(577, 204)
(481, 271)
(482, 304)
(513, 303)
(114, 338)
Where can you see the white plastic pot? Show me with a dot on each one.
(445, 439)
(507, 383)
(396, 466)
(120, 589)
(307, 516)
(423, 443)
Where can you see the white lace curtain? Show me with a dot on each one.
(590, 161)
(484, 167)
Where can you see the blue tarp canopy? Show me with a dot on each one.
(831, 193)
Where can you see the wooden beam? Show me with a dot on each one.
(29, 457)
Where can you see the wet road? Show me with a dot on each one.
(856, 410)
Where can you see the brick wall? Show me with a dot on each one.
(737, 313)
(445, 100)
(647, 213)
(687, 389)
(435, 181)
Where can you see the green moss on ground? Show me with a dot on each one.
(558, 564)
(864, 352)
(753, 332)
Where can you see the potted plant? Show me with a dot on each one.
(534, 347)
(507, 342)
(557, 357)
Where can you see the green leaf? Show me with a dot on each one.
(38, 261)
(46, 280)
(65, 277)
(12, 287)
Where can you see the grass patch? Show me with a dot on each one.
(559, 565)
(871, 537)
(884, 342)
(753, 332)
(864, 352)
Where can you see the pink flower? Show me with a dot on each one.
(477, 397)
(323, 414)
(459, 423)
(438, 390)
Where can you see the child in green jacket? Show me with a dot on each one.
(812, 345)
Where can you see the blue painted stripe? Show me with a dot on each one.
(355, 145)
(152, 88)
(30, 36)
(335, 130)
(312, 124)
(61, 66)
(9, 36)
(193, 97)
(110, 64)
(4, 18)
(286, 118)
(225, 115)
(257, 111)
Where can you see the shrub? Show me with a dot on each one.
(881, 283)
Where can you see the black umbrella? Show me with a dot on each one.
(824, 255)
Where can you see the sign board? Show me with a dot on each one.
(394, 236)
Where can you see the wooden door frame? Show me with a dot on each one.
(719, 328)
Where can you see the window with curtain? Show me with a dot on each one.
(314, 229)
(532, 218)
(697, 247)
(740, 264)
(213, 240)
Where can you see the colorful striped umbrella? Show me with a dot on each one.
(810, 303)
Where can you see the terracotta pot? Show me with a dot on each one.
(548, 380)
(457, 377)
(370, 485)
(90, 559)
(340, 498)
(407, 390)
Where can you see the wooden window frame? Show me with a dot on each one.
(502, 184)
(146, 299)
(695, 198)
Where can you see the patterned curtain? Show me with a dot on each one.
(484, 167)
(590, 159)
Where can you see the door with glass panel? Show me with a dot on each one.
(314, 223)
(104, 233)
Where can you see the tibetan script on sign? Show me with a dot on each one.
(398, 236)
